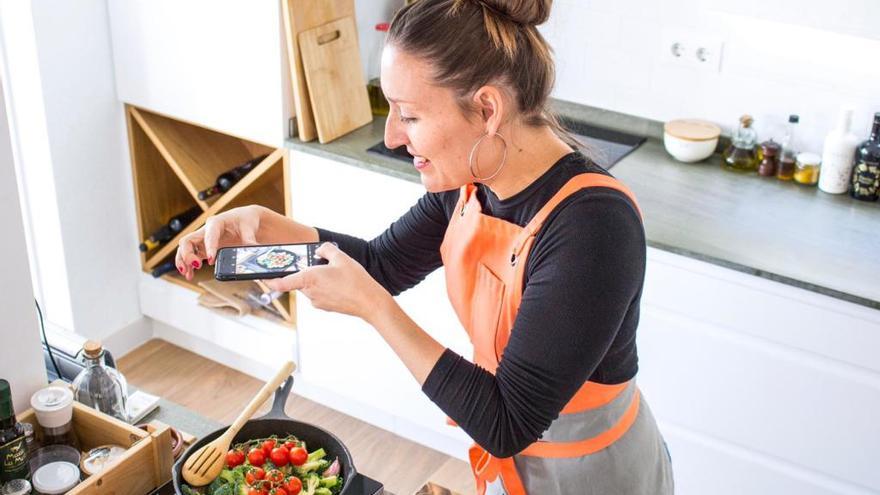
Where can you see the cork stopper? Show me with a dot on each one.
(746, 120)
(92, 349)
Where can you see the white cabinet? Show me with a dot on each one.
(344, 362)
(759, 387)
(218, 64)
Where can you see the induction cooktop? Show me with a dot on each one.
(605, 147)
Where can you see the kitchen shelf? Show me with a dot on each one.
(173, 160)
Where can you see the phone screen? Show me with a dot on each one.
(258, 262)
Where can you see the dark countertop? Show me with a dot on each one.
(782, 231)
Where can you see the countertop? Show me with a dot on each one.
(782, 231)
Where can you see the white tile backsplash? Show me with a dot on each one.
(779, 57)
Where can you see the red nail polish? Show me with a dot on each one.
(196, 264)
(180, 269)
(211, 260)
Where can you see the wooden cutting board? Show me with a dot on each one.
(337, 89)
(299, 16)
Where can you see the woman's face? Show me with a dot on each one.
(427, 119)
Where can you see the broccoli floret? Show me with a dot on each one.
(311, 484)
(318, 454)
(329, 481)
(311, 466)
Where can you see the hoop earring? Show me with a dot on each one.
(474, 149)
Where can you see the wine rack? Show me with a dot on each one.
(173, 160)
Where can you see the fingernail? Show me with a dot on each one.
(197, 264)
(180, 269)
(210, 260)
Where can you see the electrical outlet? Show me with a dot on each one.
(685, 47)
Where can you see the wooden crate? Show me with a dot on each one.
(173, 160)
(145, 466)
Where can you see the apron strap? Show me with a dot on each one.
(574, 184)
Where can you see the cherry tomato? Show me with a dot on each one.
(275, 476)
(279, 456)
(234, 458)
(258, 491)
(278, 491)
(293, 486)
(254, 475)
(298, 456)
(256, 457)
(289, 445)
(268, 445)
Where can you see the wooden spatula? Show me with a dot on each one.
(206, 463)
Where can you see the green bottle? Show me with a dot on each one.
(13, 449)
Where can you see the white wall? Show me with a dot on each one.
(72, 149)
(21, 358)
(779, 57)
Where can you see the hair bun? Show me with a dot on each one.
(525, 12)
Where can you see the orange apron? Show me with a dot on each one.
(485, 259)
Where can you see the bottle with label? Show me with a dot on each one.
(788, 156)
(866, 174)
(378, 103)
(742, 154)
(99, 386)
(838, 155)
(167, 232)
(13, 446)
(227, 179)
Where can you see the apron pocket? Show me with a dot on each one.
(485, 312)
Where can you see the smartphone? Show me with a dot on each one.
(262, 262)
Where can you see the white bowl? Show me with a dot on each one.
(689, 151)
(690, 140)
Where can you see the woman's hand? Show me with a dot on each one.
(236, 227)
(342, 285)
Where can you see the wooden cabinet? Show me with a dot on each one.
(173, 160)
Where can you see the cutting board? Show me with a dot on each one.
(337, 89)
(299, 16)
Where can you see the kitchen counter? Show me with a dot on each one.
(782, 231)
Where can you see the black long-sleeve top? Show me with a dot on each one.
(579, 310)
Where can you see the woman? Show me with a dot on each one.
(544, 255)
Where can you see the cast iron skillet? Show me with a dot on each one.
(275, 422)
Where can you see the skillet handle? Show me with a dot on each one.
(280, 400)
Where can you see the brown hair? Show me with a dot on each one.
(471, 43)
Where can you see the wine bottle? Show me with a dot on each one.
(168, 266)
(227, 179)
(837, 155)
(167, 232)
(865, 183)
(13, 447)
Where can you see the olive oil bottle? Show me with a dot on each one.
(13, 449)
(741, 155)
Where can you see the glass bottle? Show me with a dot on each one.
(741, 155)
(378, 103)
(99, 386)
(13, 446)
(806, 169)
(866, 174)
(788, 157)
(769, 158)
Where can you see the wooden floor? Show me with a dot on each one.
(219, 393)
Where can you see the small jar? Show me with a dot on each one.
(806, 169)
(16, 487)
(53, 406)
(769, 158)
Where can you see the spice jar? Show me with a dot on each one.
(769, 158)
(806, 169)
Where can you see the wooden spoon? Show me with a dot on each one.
(206, 463)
